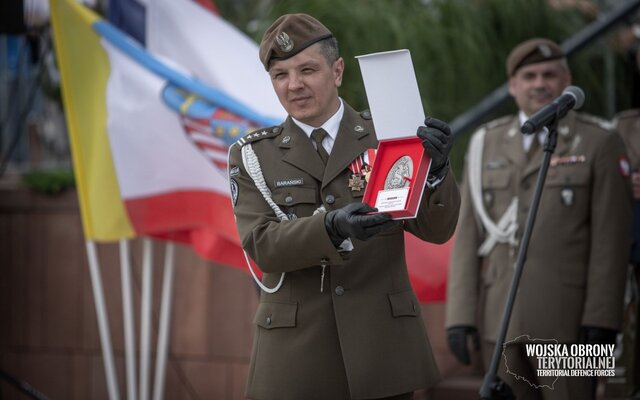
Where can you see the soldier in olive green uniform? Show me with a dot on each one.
(627, 123)
(337, 318)
(572, 286)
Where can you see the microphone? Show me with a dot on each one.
(571, 97)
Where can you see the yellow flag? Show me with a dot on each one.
(84, 68)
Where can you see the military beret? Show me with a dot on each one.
(289, 35)
(532, 51)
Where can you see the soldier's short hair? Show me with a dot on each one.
(330, 50)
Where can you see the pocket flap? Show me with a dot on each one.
(290, 196)
(495, 179)
(403, 304)
(568, 176)
(276, 315)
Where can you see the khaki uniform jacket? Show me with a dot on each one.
(363, 336)
(575, 270)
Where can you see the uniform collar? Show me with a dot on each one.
(527, 139)
(331, 126)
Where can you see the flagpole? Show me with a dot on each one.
(145, 317)
(165, 317)
(103, 322)
(127, 314)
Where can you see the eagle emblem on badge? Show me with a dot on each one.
(285, 42)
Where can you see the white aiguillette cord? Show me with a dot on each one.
(505, 230)
(252, 166)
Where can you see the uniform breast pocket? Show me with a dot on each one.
(568, 175)
(297, 201)
(568, 186)
(496, 195)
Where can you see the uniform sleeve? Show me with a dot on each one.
(610, 227)
(438, 212)
(464, 267)
(276, 246)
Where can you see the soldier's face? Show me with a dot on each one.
(534, 86)
(307, 85)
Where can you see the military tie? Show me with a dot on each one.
(318, 135)
(535, 144)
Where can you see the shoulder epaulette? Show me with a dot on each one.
(260, 134)
(633, 113)
(595, 120)
(498, 122)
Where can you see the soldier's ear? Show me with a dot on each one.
(338, 70)
(568, 78)
(512, 84)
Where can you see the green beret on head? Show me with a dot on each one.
(289, 35)
(533, 51)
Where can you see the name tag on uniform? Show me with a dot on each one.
(289, 182)
(496, 164)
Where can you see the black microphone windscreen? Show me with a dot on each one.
(577, 94)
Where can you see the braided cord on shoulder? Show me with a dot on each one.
(252, 166)
(504, 231)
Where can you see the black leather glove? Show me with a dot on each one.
(594, 335)
(437, 141)
(457, 339)
(353, 221)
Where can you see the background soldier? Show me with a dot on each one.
(627, 123)
(345, 323)
(573, 281)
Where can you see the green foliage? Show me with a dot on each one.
(49, 182)
(458, 47)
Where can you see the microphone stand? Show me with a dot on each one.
(492, 387)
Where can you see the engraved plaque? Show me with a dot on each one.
(401, 169)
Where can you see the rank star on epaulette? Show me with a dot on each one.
(257, 135)
(356, 183)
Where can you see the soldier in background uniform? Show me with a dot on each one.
(627, 123)
(573, 280)
(337, 318)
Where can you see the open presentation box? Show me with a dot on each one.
(391, 168)
(399, 172)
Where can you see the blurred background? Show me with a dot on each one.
(49, 337)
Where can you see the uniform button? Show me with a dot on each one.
(330, 199)
(339, 290)
(288, 199)
(415, 308)
(268, 320)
